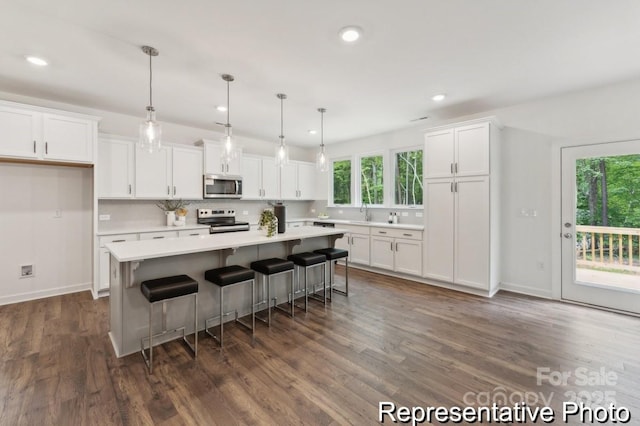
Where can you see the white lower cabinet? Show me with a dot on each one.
(397, 254)
(356, 241)
(104, 259)
(158, 235)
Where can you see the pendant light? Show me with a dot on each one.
(150, 130)
(282, 150)
(321, 158)
(230, 151)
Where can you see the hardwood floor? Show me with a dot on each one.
(391, 340)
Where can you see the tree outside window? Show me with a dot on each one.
(342, 182)
(371, 180)
(408, 178)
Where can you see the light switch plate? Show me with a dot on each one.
(104, 217)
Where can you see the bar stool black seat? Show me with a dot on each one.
(227, 277)
(308, 261)
(333, 255)
(267, 268)
(163, 290)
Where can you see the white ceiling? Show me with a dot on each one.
(483, 54)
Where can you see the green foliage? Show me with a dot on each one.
(622, 180)
(268, 220)
(342, 182)
(171, 205)
(371, 180)
(408, 178)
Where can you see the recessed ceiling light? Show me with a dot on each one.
(438, 98)
(36, 61)
(313, 132)
(221, 108)
(350, 34)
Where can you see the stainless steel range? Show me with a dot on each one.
(221, 221)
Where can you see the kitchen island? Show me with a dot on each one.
(135, 261)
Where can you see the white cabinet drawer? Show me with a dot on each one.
(158, 235)
(193, 232)
(117, 239)
(397, 233)
(354, 229)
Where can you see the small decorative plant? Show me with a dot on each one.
(268, 221)
(173, 206)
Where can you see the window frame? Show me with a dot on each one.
(394, 155)
(385, 177)
(330, 202)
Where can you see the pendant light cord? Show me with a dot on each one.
(322, 130)
(150, 83)
(281, 120)
(228, 106)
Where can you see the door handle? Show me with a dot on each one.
(567, 235)
(46, 147)
(34, 147)
(129, 189)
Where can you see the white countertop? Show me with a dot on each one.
(149, 249)
(144, 229)
(363, 223)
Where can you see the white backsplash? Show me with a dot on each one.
(378, 214)
(145, 213)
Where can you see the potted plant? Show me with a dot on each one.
(269, 222)
(173, 207)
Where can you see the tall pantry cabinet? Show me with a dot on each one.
(461, 184)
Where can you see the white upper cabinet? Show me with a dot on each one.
(172, 172)
(30, 132)
(460, 151)
(297, 181)
(20, 132)
(152, 171)
(187, 173)
(67, 138)
(115, 168)
(260, 178)
(214, 161)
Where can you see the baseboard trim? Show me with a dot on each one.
(522, 289)
(421, 280)
(41, 294)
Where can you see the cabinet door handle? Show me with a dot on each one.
(391, 246)
(158, 238)
(174, 190)
(168, 190)
(456, 168)
(407, 235)
(396, 246)
(456, 187)
(34, 147)
(193, 235)
(46, 147)
(451, 186)
(451, 167)
(118, 241)
(382, 232)
(129, 189)
(227, 168)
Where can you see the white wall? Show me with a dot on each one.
(59, 248)
(533, 135)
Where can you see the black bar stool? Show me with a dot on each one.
(333, 255)
(163, 290)
(227, 277)
(266, 269)
(308, 261)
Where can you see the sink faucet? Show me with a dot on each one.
(364, 207)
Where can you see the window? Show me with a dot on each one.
(371, 180)
(408, 178)
(342, 182)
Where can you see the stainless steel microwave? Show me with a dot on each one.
(222, 186)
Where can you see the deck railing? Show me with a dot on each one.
(608, 247)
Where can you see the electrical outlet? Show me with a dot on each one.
(313, 210)
(104, 217)
(418, 214)
(339, 211)
(245, 212)
(405, 214)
